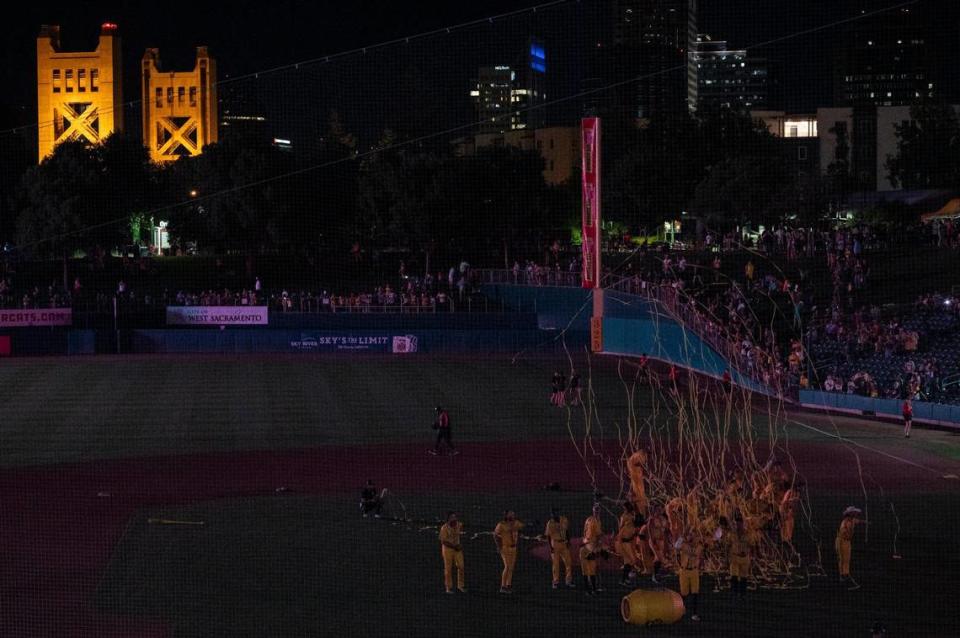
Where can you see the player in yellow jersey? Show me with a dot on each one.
(788, 511)
(589, 555)
(689, 559)
(646, 552)
(738, 556)
(625, 542)
(452, 552)
(657, 539)
(636, 465)
(844, 544)
(675, 517)
(593, 539)
(507, 535)
(592, 527)
(556, 534)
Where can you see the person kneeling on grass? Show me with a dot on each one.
(371, 501)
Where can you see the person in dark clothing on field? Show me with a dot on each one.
(444, 435)
(371, 500)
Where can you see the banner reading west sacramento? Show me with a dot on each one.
(216, 315)
(42, 317)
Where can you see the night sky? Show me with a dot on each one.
(248, 36)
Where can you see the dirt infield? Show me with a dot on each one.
(61, 523)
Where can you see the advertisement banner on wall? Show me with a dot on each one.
(216, 315)
(309, 342)
(36, 318)
(596, 334)
(590, 188)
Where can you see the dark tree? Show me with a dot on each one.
(928, 148)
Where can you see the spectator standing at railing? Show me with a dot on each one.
(907, 418)
(644, 365)
(576, 392)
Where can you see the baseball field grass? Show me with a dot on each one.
(218, 496)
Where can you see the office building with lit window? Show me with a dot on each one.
(506, 96)
(882, 60)
(728, 79)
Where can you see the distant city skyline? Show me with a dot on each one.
(252, 38)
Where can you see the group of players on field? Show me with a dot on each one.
(650, 540)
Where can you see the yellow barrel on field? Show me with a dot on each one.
(652, 607)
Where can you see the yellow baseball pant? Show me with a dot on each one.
(509, 557)
(689, 581)
(646, 558)
(843, 555)
(786, 529)
(740, 566)
(452, 559)
(561, 553)
(628, 554)
(588, 567)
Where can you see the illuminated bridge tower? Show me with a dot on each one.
(79, 93)
(179, 108)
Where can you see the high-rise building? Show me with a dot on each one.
(729, 79)
(79, 93)
(652, 40)
(882, 60)
(506, 96)
(179, 107)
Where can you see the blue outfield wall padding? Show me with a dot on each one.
(82, 342)
(668, 341)
(250, 340)
(556, 308)
(632, 326)
(922, 411)
(37, 341)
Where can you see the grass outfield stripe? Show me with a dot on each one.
(867, 447)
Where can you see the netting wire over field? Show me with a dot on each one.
(324, 321)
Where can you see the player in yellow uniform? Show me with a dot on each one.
(625, 542)
(506, 535)
(738, 556)
(556, 534)
(452, 552)
(635, 470)
(788, 511)
(646, 553)
(593, 528)
(593, 539)
(674, 512)
(689, 560)
(844, 544)
(589, 555)
(657, 539)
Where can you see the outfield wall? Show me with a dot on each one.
(293, 332)
(933, 413)
(556, 308)
(401, 341)
(632, 326)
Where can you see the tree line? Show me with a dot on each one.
(245, 195)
